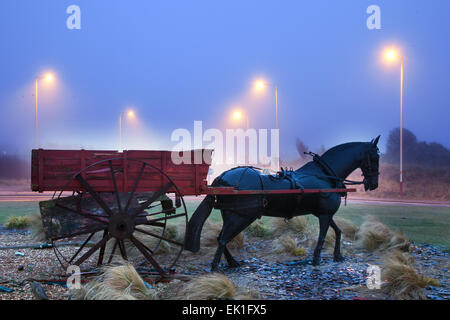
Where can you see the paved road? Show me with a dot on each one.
(398, 202)
(33, 196)
(24, 196)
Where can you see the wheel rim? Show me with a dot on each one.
(123, 218)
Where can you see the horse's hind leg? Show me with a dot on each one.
(324, 223)
(233, 224)
(230, 260)
(232, 263)
(337, 246)
(217, 257)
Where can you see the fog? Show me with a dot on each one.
(175, 63)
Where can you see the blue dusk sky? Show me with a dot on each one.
(174, 62)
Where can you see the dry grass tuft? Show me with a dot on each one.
(209, 287)
(37, 229)
(120, 282)
(214, 286)
(374, 235)
(288, 244)
(330, 238)
(15, 222)
(296, 224)
(399, 241)
(210, 233)
(401, 281)
(348, 228)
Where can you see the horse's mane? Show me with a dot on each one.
(341, 147)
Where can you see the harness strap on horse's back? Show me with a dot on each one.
(332, 175)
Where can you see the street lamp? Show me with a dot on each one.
(391, 55)
(260, 85)
(130, 114)
(238, 115)
(47, 77)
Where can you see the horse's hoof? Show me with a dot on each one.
(338, 258)
(315, 262)
(214, 269)
(234, 264)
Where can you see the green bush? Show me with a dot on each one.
(15, 222)
(257, 229)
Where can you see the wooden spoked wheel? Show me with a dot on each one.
(143, 227)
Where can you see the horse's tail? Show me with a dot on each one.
(195, 225)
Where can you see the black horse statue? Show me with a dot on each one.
(325, 172)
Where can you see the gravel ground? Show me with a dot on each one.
(37, 264)
(266, 274)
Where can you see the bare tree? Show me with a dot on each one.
(301, 148)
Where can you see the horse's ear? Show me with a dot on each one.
(375, 142)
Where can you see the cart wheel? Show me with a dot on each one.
(137, 226)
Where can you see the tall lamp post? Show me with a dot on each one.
(392, 55)
(239, 115)
(48, 77)
(130, 114)
(260, 85)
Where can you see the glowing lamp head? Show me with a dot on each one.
(48, 77)
(259, 85)
(237, 115)
(130, 114)
(390, 55)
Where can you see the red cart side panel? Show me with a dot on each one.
(52, 170)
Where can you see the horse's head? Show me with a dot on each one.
(370, 165)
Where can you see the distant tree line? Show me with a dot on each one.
(414, 151)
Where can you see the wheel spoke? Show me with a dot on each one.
(122, 249)
(155, 196)
(148, 256)
(102, 250)
(157, 236)
(134, 188)
(81, 247)
(115, 186)
(92, 250)
(113, 251)
(84, 213)
(94, 194)
(80, 233)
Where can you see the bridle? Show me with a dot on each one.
(366, 168)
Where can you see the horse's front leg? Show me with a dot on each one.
(324, 223)
(337, 246)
